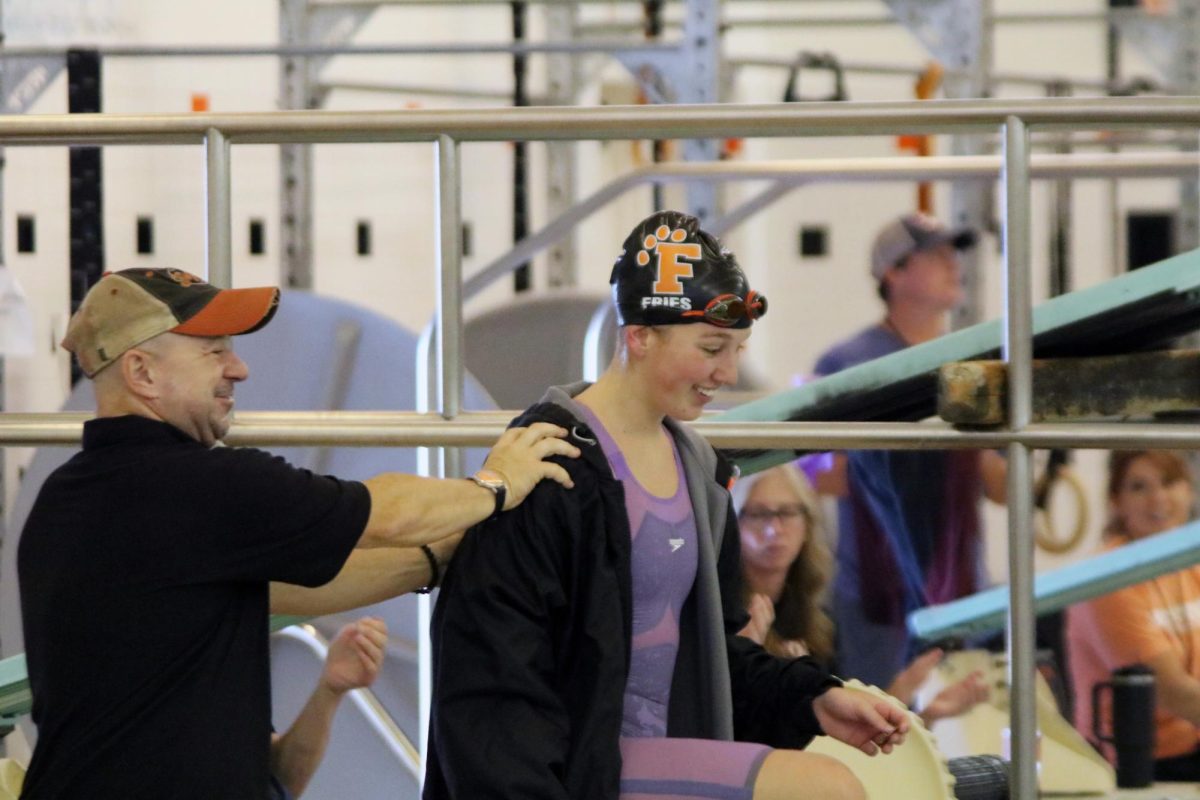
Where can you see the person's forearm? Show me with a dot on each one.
(1181, 697)
(994, 472)
(407, 510)
(369, 576)
(296, 754)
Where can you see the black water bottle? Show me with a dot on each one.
(1132, 733)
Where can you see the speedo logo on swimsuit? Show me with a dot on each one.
(675, 544)
(669, 247)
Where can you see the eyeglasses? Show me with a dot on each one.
(759, 517)
(727, 310)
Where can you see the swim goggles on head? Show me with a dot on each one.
(727, 310)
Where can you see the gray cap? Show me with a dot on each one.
(905, 235)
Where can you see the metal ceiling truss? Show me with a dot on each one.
(1170, 42)
(303, 23)
(958, 34)
(687, 74)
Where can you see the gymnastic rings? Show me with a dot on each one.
(1045, 533)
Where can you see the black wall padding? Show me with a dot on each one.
(1150, 238)
(86, 197)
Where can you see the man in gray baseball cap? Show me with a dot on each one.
(905, 518)
(912, 234)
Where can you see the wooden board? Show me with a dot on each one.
(976, 392)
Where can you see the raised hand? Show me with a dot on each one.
(762, 617)
(956, 698)
(355, 655)
(905, 685)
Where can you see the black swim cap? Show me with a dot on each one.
(670, 272)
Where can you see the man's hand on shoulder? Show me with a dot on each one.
(519, 458)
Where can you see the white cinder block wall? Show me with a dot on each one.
(814, 301)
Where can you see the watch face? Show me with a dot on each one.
(490, 479)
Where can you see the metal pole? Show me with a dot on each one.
(375, 3)
(296, 92)
(1112, 45)
(4, 471)
(328, 50)
(481, 429)
(217, 220)
(563, 78)
(522, 279)
(1060, 220)
(448, 197)
(1018, 354)
(887, 21)
(459, 92)
(706, 121)
(449, 257)
(702, 52)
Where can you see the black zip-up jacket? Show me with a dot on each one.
(532, 630)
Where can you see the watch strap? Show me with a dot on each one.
(435, 570)
(498, 488)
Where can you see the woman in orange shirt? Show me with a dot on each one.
(1156, 623)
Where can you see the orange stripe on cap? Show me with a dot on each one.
(233, 311)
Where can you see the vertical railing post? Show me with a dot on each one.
(447, 343)
(1018, 355)
(449, 257)
(218, 209)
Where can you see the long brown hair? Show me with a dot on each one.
(1172, 465)
(798, 614)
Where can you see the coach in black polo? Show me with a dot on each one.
(145, 562)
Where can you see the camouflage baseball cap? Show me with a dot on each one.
(132, 306)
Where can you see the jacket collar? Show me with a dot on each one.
(559, 407)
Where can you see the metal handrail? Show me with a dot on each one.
(602, 123)
(328, 50)
(482, 428)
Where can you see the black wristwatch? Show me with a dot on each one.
(494, 483)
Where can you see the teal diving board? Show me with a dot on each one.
(1139, 310)
(1056, 589)
(15, 697)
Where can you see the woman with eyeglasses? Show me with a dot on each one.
(786, 565)
(1156, 623)
(585, 646)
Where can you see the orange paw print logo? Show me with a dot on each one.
(669, 247)
(652, 241)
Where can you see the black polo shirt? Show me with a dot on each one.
(143, 572)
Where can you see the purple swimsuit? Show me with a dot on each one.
(663, 562)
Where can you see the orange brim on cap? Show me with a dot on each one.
(232, 312)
